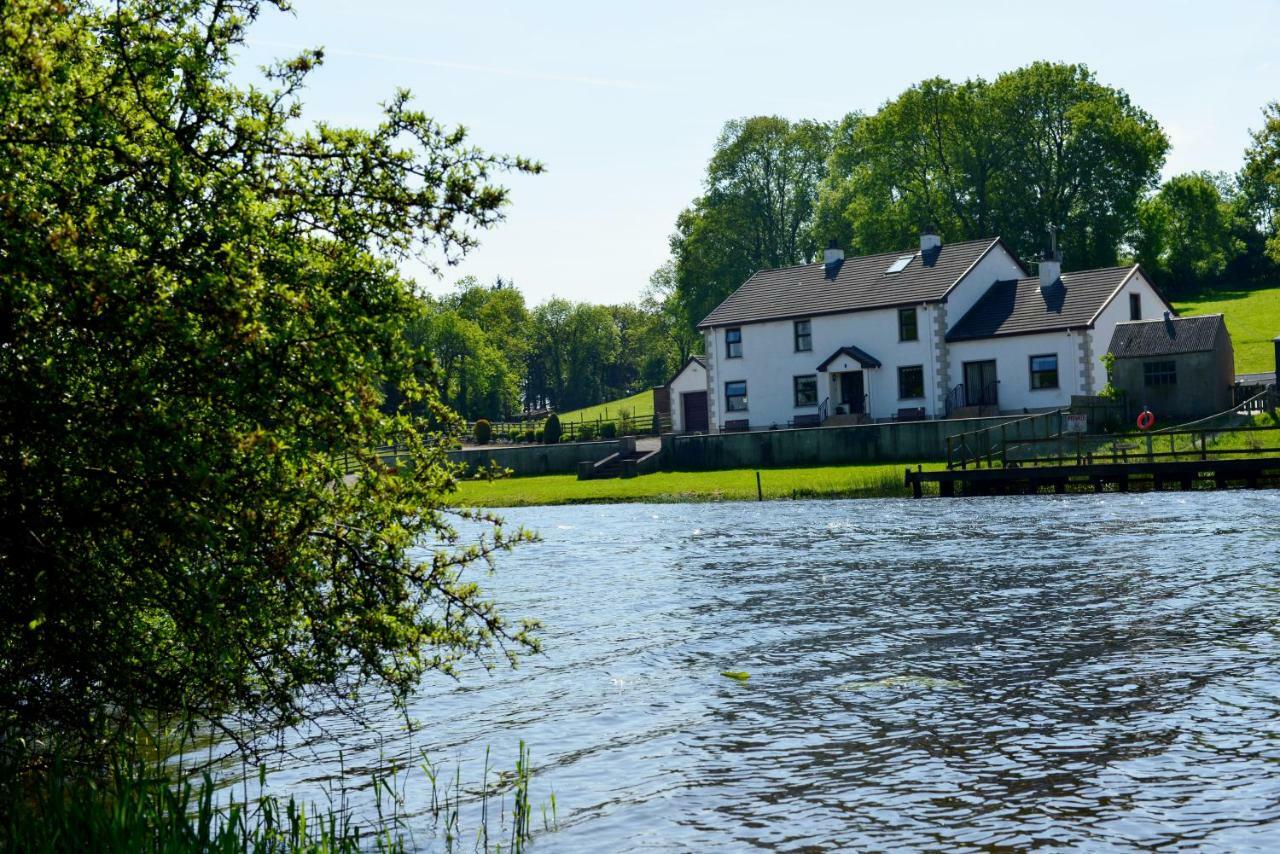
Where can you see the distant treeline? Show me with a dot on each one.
(492, 356)
(1042, 147)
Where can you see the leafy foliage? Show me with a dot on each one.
(756, 211)
(200, 311)
(483, 431)
(551, 430)
(1041, 146)
(1260, 178)
(1185, 233)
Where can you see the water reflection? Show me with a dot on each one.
(1088, 671)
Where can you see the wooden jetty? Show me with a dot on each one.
(1225, 457)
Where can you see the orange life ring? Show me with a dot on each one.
(1146, 420)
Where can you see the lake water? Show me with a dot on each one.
(1087, 671)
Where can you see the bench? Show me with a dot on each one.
(735, 425)
(910, 413)
(813, 420)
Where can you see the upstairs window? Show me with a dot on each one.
(806, 390)
(1044, 371)
(1135, 306)
(911, 382)
(907, 329)
(1159, 373)
(735, 396)
(804, 336)
(733, 343)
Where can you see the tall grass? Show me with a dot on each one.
(140, 805)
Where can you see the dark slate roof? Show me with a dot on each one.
(857, 284)
(1019, 308)
(1168, 337)
(862, 357)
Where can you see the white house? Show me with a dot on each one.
(948, 330)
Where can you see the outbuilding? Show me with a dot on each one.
(687, 397)
(1181, 368)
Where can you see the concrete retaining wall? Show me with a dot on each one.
(536, 459)
(868, 443)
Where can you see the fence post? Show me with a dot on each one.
(1004, 448)
(948, 453)
(1204, 454)
(1151, 457)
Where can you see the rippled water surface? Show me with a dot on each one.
(1098, 672)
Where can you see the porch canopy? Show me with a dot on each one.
(844, 359)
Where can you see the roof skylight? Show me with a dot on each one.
(900, 265)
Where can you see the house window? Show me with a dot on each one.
(1044, 371)
(1159, 373)
(907, 330)
(1135, 306)
(733, 343)
(804, 336)
(735, 396)
(806, 390)
(911, 382)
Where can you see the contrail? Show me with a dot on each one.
(460, 66)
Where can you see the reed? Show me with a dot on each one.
(139, 805)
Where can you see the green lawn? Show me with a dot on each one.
(637, 405)
(1253, 318)
(858, 481)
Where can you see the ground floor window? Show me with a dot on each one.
(910, 382)
(1044, 371)
(806, 390)
(1159, 373)
(735, 396)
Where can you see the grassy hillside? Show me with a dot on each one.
(640, 404)
(1253, 318)
(855, 481)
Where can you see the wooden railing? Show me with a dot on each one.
(989, 445)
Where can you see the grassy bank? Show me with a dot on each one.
(639, 405)
(856, 481)
(1253, 318)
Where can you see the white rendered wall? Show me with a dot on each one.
(1012, 355)
(769, 363)
(692, 378)
(1116, 311)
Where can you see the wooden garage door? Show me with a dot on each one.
(694, 409)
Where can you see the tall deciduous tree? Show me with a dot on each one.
(198, 311)
(1260, 178)
(756, 211)
(1042, 146)
(1187, 233)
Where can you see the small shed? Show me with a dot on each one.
(1181, 368)
(687, 396)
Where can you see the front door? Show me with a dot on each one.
(851, 392)
(980, 383)
(694, 409)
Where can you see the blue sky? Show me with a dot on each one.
(623, 103)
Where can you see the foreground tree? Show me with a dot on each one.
(199, 311)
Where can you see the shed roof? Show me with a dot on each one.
(1169, 336)
(1021, 307)
(854, 284)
